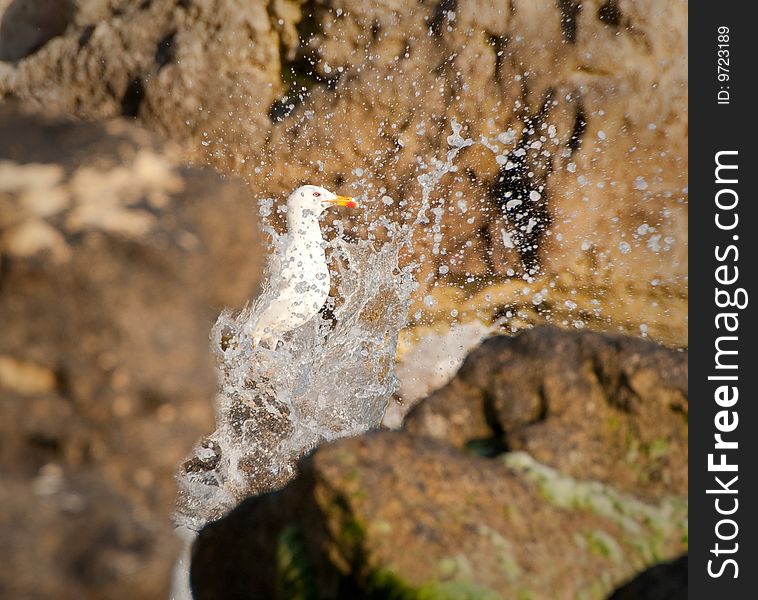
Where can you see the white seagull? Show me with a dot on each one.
(304, 282)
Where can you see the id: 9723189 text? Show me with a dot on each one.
(723, 95)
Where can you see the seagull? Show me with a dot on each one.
(303, 284)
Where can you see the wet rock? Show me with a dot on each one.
(114, 261)
(585, 189)
(347, 93)
(552, 466)
(397, 515)
(596, 406)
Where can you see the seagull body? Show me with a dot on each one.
(304, 281)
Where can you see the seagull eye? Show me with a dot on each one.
(316, 194)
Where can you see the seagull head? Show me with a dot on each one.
(313, 199)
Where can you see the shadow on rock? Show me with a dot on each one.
(662, 582)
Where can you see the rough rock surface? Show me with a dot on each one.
(591, 99)
(550, 514)
(595, 406)
(188, 69)
(114, 260)
(361, 95)
(393, 515)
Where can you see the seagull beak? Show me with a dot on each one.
(342, 201)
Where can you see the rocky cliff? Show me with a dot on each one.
(579, 186)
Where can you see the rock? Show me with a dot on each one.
(595, 406)
(178, 66)
(590, 98)
(667, 581)
(398, 515)
(596, 105)
(114, 261)
(67, 533)
(119, 181)
(27, 25)
(553, 465)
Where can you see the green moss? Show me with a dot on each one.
(649, 529)
(358, 494)
(632, 448)
(656, 449)
(603, 544)
(382, 584)
(351, 474)
(503, 552)
(347, 460)
(596, 591)
(623, 509)
(295, 574)
(297, 578)
(485, 447)
(385, 585)
(352, 531)
(447, 567)
(456, 590)
(614, 423)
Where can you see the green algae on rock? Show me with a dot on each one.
(453, 526)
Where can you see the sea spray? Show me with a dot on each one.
(331, 378)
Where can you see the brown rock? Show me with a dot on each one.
(584, 488)
(594, 95)
(186, 69)
(114, 260)
(396, 515)
(596, 103)
(594, 406)
(27, 25)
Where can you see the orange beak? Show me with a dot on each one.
(342, 201)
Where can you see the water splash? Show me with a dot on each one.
(332, 378)
(276, 405)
